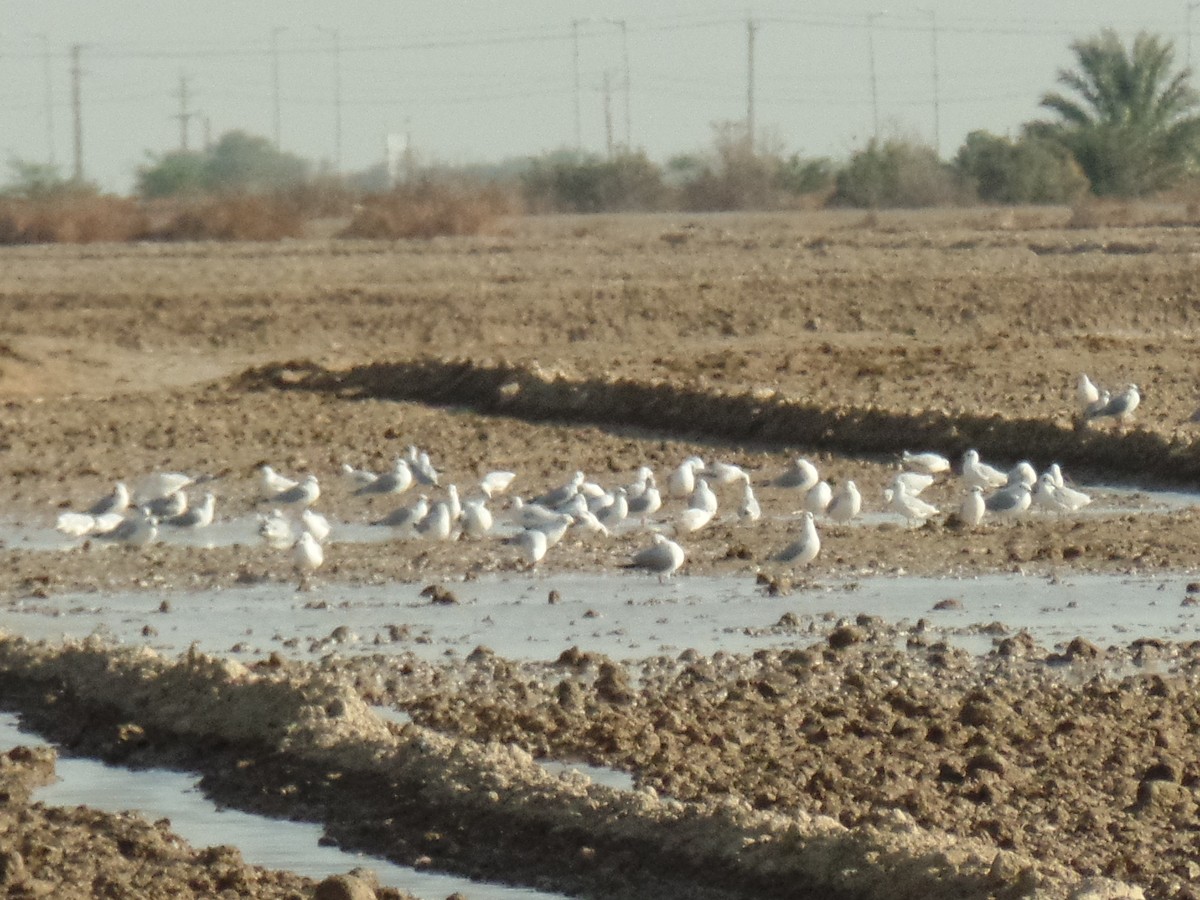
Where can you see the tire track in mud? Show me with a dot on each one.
(757, 416)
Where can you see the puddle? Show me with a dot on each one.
(271, 843)
(602, 775)
(622, 616)
(18, 534)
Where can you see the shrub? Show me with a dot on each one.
(426, 209)
(567, 182)
(898, 173)
(80, 219)
(234, 218)
(1030, 170)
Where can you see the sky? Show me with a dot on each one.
(471, 82)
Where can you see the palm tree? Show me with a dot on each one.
(1133, 128)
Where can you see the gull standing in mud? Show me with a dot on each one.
(273, 483)
(476, 518)
(315, 524)
(1119, 407)
(647, 503)
(532, 544)
(1009, 502)
(682, 481)
(197, 516)
(914, 510)
(303, 494)
(818, 498)
(495, 483)
(972, 510)
(846, 503)
(158, 485)
(307, 557)
(396, 481)
(357, 477)
(805, 549)
(980, 473)
(930, 463)
(703, 497)
(749, 509)
(1086, 393)
(115, 502)
(405, 518)
(275, 529)
(137, 529)
(663, 557)
(800, 475)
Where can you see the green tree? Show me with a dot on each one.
(238, 162)
(569, 182)
(898, 173)
(173, 175)
(39, 181)
(1028, 170)
(1132, 125)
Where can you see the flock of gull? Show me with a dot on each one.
(687, 501)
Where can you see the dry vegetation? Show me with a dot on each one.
(429, 209)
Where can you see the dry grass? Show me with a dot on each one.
(234, 218)
(427, 210)
(71, 220)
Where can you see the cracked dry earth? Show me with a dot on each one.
(870, 760)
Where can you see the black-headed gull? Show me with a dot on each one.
(803, 550)
(195, 517)
(303, 494)
(913, 509)
(663, 557)
(396, 481)
(682, 481)
(846, 503)
(115, 502)
(928, 462)
(1009, 502)
(980, 473)
(800, 475)
(1120, 406)
(273, 483)
(972, 508)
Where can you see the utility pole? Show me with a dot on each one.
(1190, 7)
(937, 112)
(77, 110)
(275, 32)
(608, 129)
(871, 17)
(751, 28)
(49, 99)
(623, 25)
(578, 101)
(337, 95)
(184, 115)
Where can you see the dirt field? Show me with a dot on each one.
(602, 344)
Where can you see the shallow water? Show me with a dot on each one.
(31, 535)
(623, 616)
(271, 843)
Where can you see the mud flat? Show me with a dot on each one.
(867, 759)
(305, 743)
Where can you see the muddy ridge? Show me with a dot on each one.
(530, 393)
(277, 732)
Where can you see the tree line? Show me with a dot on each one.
(1123, 122)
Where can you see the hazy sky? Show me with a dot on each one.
(481, 81)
